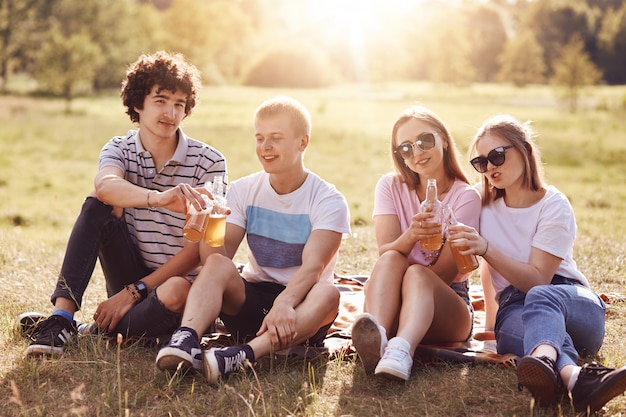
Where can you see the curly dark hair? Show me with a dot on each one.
(168, 70)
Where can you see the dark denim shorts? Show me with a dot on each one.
(462, 290)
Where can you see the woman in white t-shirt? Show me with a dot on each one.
(415, 295)
(547, 313)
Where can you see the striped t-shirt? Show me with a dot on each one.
(157, 232)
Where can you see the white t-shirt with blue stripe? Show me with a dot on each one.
(279, 225)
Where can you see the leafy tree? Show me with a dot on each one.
(612, 45)
(554, 22)
(605, 5)
(522, 61)
(229, 38)
(488, 36)
(66, 62)
(294, 66)
(16, 20)
(123, 30)
(448, 49)
(186, 30)
(573, 71)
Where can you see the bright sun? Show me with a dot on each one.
(350, 17)
(349, 20)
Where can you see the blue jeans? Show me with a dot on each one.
(564, 315)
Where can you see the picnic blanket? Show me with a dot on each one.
(480, 348)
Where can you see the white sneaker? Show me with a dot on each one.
(369, 340)
(397, 362)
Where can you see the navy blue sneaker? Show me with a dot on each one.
(52, 335)
(219, 362)
(183, 352)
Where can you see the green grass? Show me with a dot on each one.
(47, 165)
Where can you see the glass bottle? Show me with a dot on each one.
(464, 263)
(432, 205)
(216, 225)
(196, 220)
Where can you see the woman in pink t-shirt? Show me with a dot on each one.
(414, 295)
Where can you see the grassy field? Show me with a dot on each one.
(47, 163)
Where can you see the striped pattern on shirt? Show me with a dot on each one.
(157, 232)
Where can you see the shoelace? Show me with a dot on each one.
(179, 337)
(593, 370)
(233, 363)
(56, 324)
(395, 353)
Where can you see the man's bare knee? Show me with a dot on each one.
(173, 293)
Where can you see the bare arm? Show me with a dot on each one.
(319, 250)
(390, 237)
(111, 311)
(111, 188)
(491, 306)
(539, 270)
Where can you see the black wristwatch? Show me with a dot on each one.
(142, 289)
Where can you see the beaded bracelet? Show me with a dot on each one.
(133, 292)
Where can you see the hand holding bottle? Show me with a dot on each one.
(196, 221)
(216, 223)
(432, 205)
(464, 262)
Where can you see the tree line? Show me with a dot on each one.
(73, 47)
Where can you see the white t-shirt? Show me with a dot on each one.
(279, 225)
(548, 225)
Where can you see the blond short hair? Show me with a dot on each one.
(297, 113)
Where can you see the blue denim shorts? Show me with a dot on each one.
(462, 290)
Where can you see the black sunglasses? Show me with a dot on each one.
(425, 141)
(495, 156)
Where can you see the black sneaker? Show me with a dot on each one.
(219, 362)
(541, 376)
(26, 324)
(597, 385)
(52, 335)
(182, 352)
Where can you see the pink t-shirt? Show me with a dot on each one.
(392, 196)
